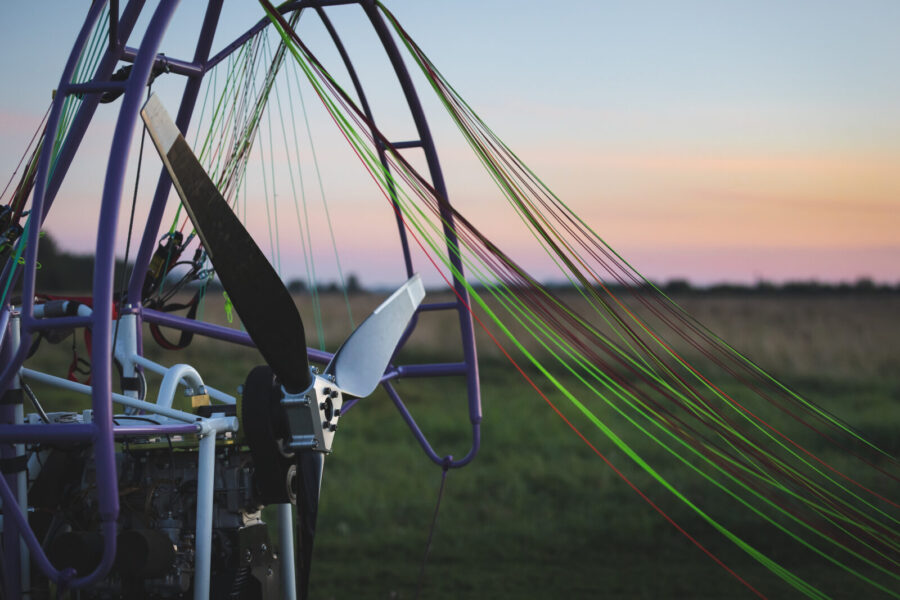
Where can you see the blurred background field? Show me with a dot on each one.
(537, 514)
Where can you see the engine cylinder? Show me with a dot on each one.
(79, 550)
(144, 553)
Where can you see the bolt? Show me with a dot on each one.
(333, 428)
(337, 412)
(323, 406)
(248, 556)
(263, 548)
(326, 391)
(333, 394)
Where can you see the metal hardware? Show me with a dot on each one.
(312, 415)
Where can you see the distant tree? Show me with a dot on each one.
(765, 287)
(864, 284)
(678, 286)
(296, 286)
(62, 271)
(353, 285)
(802, 287)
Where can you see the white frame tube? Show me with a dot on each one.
(286, 541)
(206, 472)
(22, 476)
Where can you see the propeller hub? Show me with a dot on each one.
(312, 415)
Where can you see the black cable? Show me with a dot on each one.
(437, 508)
(137, 180)
(124, 293)
(38, 131)
(166, 294)
(138, 418)
(37, 405)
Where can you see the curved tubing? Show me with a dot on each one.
(82, 119)
(102, 285)
(172, 378)
(206, 472)
(446, 461)
(427, 144)
(164, 183)
(104, 266)
(40, 185)
(466, 324)
(11, 508)
(4, 321)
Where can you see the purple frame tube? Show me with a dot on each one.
(102, 432)
(102, 429)
(54, 432)
(218, 332)
(426, 142)
(264, 22)
(104, 267)
(93, 87)
(167, 63)
(40, 186)
(466, 324)
(164, 184)
(89, 105)
(151, 430)
(447, 461)
(60, 323)
(15, 522)
(45, 189)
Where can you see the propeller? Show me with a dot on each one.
(360, 362)
(255, 289)
(309, 403)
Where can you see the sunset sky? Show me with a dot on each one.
(708, 140)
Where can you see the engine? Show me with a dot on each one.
(156, 527)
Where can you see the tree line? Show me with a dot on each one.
(62, 271)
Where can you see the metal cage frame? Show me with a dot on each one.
(18, 323)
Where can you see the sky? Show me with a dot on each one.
(708, 140)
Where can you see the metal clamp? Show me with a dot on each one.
(313, 415)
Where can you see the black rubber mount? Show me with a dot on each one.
(263, 420)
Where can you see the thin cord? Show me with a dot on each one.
(39, 130)
(437, 508)
(137, 180)
(34, 401)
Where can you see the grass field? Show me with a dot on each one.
(537, 514)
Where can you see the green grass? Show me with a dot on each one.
(538, 514)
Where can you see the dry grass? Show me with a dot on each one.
(547, 519)
(826, 338)
(847, 336)
(837, 336)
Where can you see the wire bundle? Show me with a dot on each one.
(617, 358)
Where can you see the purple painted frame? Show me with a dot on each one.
(101, 431)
